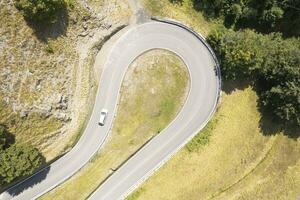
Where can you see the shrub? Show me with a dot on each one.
(45, 11)
(17, 161)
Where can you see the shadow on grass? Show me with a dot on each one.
(230, 86)
(10, 138)
(45, 31)
(269, 124)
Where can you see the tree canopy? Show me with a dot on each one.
(16, 160)
(41, 11)
(264, 15)
(271, 61)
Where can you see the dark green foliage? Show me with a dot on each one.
(268, 59)
(17, 161)
(5, 138)
(41, 11)
(240, 53)
(280, 76)
(264, 15)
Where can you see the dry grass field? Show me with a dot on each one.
(240, 161)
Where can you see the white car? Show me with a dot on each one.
(103, 116)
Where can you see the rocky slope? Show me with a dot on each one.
(47, 74)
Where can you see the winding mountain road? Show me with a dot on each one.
(197, 110)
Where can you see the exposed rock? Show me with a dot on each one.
(46, 111)
(83, 34)
(62, 116)
(24, 113)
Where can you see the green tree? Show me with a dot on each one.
(239, 52)
(270, 61)
(41, 11)
(18, 161)
(280, 76)
(264, 15)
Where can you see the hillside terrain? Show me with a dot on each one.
(249, 150)
(47, 72)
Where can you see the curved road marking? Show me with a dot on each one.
(197, 110)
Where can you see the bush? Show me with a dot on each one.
(269, 60)
(45, 11)
(18, 161)
(239, 53)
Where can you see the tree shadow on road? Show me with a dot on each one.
(26, 183)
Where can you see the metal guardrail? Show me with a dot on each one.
(202, 39)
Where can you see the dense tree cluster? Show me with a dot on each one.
(264, 15)
(270, 60)
(16, 160)
(41, 11)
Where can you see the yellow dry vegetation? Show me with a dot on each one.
(240, 161)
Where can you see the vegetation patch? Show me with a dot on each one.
(203, 137)
(41, 11)
(270, 62)
(152, 93)
(16, 161)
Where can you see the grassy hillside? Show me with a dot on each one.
(240, 161)
(47, 76)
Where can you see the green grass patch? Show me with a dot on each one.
(203, 137)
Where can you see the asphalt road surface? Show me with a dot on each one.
(197, 110)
